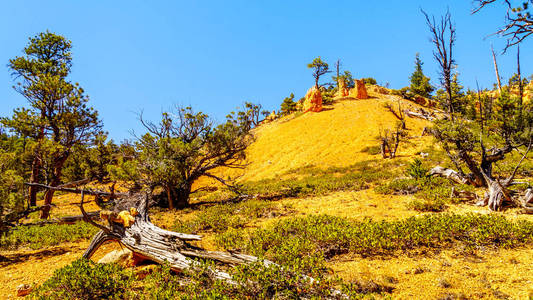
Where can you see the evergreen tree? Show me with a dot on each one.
(458, 96)
(319, 68)
(288, 105)
(419, 82)
(57, 117)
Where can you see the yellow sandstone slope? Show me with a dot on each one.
(336, 137)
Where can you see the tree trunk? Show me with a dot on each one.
(56, 180)
(32, 190)
(181, 196)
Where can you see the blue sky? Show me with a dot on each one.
(214, 55)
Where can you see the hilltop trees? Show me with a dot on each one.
(57, 117)
(185, 146)
(319, 68)
(419, 82)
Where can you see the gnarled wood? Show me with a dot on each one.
(448, 173)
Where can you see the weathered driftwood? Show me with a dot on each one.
(421, 115)
(448, 173)
(150, 242)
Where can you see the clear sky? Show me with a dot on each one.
(214, 55)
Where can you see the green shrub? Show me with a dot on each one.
(372, 150)
(416, 170)
(36, 237)
(304, 243)
(221, 217)
(84, 279)
(370, 81)
(427, 205)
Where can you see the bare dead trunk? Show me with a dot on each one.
(496, 70)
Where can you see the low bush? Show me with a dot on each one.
(317, 181)
(304, 243)
(427, 205)
(221, 217)
(84, 279)
(36, 237)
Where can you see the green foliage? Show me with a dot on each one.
(84, 279)
(319, 68)
(13, 170)
(316, 181)
(221, 217)
(370, 81)
(347, 78)
(458, 96)
(306, 242)
(36, 237)
(404, 92)
(288, 105)
(416, 169)
(372, 150)
(427, 205)
(91, 161)
(185, 146)
(419, 82)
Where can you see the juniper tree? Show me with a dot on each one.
(184, 146)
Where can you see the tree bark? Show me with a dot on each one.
(56, 180)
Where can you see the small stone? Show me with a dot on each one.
(121, 257)
(24, 290)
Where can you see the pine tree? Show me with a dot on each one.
(419, 82)
(288, 105)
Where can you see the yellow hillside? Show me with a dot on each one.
(336, 136)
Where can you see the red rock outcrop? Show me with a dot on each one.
(313, 100)
(359, 91)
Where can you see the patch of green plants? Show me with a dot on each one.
(427, 205)
(84, 279)
(321, 181)
(372, 150)
(221, 217)
(305, 243)
(36, 237)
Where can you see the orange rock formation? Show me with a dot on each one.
(313, 100)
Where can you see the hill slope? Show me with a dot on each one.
(337, 136)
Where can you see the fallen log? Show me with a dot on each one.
(149, 242)
(424, 115)
(448, 173)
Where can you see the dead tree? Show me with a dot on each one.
(390, 140)
(400, 115)
(496, 70)
(498, 191)
(519, 22)
(443, 37)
